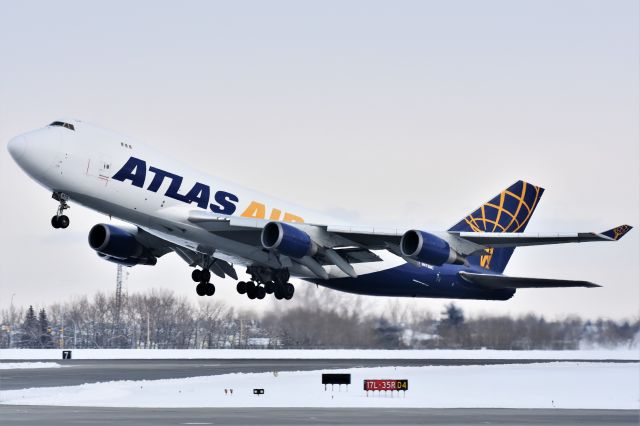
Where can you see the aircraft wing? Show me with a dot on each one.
(495, 282)
(337, 250)
(498, 240)
(354, 244)
(327, 236)
(470, 243)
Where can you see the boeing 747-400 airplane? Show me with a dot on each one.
(216, 226)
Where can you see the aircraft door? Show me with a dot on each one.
(100, 168)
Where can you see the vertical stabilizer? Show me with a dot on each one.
(509, 211)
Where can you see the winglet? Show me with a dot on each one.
(618, 232)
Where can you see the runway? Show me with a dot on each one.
(39, 415)
(77, 372)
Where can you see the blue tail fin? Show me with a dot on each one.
(508, 211)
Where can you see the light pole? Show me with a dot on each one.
(62, 329)
(74, 333)
(11, 320)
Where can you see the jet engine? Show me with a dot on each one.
(288, 240)
(119, 246)
(428, 248)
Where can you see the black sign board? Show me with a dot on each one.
(258, 391)
(66, 354)
(336, 379)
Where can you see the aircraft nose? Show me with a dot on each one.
(17, 147)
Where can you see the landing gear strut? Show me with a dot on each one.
(60, 220)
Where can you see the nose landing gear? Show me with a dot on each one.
(60, 221)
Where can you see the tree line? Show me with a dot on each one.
(317, 320)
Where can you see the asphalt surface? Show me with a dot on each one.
(38, 415)
(77, 372)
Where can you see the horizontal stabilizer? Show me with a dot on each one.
(495, 282)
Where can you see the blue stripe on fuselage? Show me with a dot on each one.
(413, 281)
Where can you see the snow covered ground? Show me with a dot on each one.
(21, 365)
(541, 385)
(49, 354)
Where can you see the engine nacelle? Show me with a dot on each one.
(428, 248)
(288, 240)
(118, 245)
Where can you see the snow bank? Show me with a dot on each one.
(16, 365)
(549, 385)
(40, 354)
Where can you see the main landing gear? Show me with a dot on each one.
(202, 277)
(60, 220)
(264, 281)
(260, 290)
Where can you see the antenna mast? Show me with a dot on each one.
(118, 296)
(117, 338)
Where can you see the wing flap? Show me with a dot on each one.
(495, 282)
(354, 255)
(367, 237)
(156, 245)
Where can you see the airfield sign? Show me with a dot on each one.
(386, 385)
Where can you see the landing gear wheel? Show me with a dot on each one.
(251, 293)
(210, 289)
(201, 289)
(195, 275)
(278, 291)
(54, 222)
(63, 221)
(205, 275)
(288, 291)
(241, 287)
(269, 287)
(260, 292)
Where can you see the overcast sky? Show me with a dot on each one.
(393, 113)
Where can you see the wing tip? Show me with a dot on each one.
(618, 232)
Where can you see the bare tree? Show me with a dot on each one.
(317, 318)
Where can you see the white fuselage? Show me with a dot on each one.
(158, 193)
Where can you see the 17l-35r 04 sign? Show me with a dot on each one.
(386, 385)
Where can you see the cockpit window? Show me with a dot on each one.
(62, 124)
